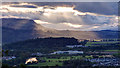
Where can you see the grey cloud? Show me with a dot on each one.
(60, 0)
(107, 8)
(24, 6)
(88, 21)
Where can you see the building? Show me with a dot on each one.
(37, 54)
(68, 52)
(8, 57)
(73, 46)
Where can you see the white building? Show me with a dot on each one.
(68, 52)
(73, 46)
(37, 54)
(8, 57)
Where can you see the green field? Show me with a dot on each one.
(112, 50)
(100, 43)
(48, 64)
(56, 61)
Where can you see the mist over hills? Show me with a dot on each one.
(14, 30)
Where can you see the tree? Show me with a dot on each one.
(6, 52)
(2, 53)
(5, 66)
(23, 66)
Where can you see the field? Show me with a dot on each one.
(101, 43)
(47, 64)
(112, 50)
(57, 61)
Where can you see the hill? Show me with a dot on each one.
(14, 30)
(42, 43)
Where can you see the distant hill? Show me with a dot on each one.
(14, 30)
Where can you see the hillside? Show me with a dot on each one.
(42, 43)
(14, 30)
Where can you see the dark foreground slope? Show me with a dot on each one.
(42, 43)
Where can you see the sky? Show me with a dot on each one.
(81, 16)
(60, 0)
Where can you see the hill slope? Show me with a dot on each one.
(42, 43)
(22, 29)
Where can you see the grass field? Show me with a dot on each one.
(112, 50)
(100, 43)
(55, 61)
(48, 64)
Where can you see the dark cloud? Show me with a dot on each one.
(24, 6)
(8, 3)
(107, 8)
